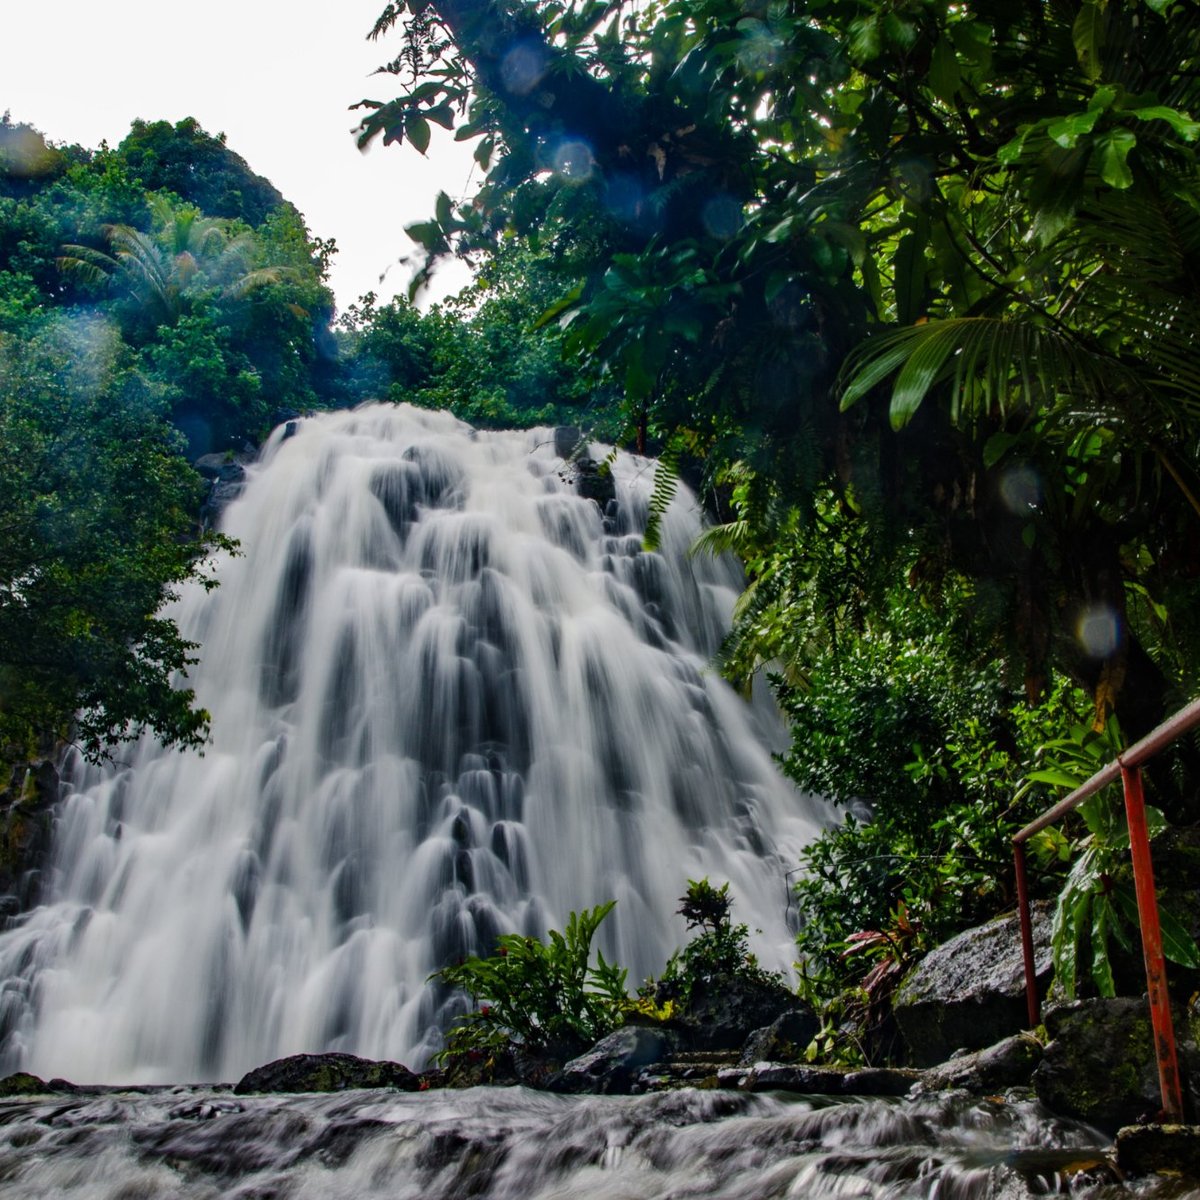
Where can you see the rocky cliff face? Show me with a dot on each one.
(26, 827)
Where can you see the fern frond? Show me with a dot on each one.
(666, 485)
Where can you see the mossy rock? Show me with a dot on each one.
(1100, 1065)
(327, 1073)
(21, 1083)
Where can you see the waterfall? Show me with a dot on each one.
(450, 698)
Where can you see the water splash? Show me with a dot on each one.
(450, 698)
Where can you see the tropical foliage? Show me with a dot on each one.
(546, 996)
(133, 328)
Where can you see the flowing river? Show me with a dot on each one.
(515, 1144)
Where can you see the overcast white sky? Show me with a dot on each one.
(276, 76)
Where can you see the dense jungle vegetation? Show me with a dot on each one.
(912, 286)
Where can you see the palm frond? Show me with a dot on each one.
(731, 538)
(1003, 363)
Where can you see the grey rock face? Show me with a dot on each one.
(724, 1011)
(612, 1065)
(26, 831)
(970, 992)
(783, 1040)
(1009, 1063)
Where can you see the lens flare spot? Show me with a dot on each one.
(759, 48)
(1098, 630)
(574, 161)
(722, 217)
(523, 68)
(1021, 490)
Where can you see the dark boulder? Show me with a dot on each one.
(594, 481)
(226, 476)
(724, 1010)
(612, 1065)
(21, 1083)
(568, 440)
(1152, 1149)
(969, 993)
(1100, 1064)
(830, 1081)
(784, 1040)
(327, 1073)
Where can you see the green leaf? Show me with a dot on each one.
(944, 75)
(931, 350)
(442, 113)
(910, 277)
(1183, 125)
(559, 306)
(425, 233)
(1088, 36)
(1067, 131)
(1178, 945)
(889, 354)
(1055, 778)
(417, 129)
(1112, 150)
(1102, 974)
(1010, 152)
(996, 447)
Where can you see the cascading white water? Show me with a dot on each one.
(450, 699)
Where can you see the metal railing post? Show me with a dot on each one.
(1156, 968)
(1032, 1001)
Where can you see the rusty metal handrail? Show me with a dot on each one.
(1126, 767)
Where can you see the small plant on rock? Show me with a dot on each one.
(721, 950)
(544, 996)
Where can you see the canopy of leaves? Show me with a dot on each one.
(918, 252)
(134, 327)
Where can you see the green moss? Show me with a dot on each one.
(21, 1083)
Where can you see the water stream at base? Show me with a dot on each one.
(451, 697)
(514, 1144)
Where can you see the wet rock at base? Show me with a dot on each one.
(830, 1081)
(970, 992)
(1009, 1063)
(21, 1083)
(723, 1012)
(614, 1063)
(327, 1073)
(784, 1040)
(1149, 1149)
